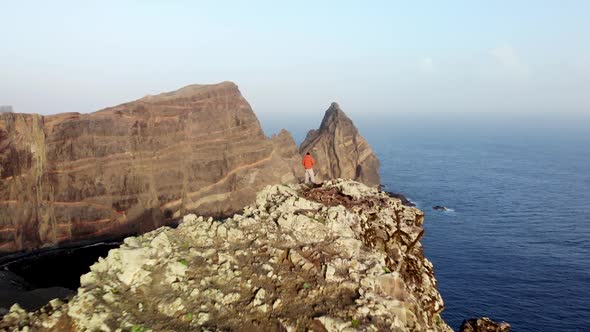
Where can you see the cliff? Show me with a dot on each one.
(134, 167)
(340, 151)
(340, 257)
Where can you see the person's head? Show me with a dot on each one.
(307, 153)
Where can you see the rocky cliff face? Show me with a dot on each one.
(341, 257)
(340, 151)
(133, 167)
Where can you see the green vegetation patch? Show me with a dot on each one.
(138, 328)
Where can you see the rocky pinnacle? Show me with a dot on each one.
(340, 150)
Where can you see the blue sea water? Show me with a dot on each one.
(517, 245)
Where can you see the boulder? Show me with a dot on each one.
(483, 324)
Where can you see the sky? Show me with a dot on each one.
(294, 58)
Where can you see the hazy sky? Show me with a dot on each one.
(370, 56)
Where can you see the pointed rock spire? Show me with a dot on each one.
(340, 151)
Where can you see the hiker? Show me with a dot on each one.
(308, 163)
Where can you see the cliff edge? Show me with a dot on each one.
(341, 257)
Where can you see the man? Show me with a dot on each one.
(308, 163)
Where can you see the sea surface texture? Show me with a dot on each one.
(516, 246)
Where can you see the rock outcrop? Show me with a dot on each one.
(134, 167)
(340, 151)
(131, 168)
(341, 257)
(402, 197)
(483, 324)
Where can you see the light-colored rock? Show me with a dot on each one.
(175, 271)
(287, 253)
(161, 244)
(259, 298)
(131, 261)
(171, 309)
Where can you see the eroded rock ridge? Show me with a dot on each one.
(341, 257)
(134, 167)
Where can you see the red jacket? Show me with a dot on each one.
(308, 161)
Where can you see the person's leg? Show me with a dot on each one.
(312, 176)
(306, 176)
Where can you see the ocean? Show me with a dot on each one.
(515, 245)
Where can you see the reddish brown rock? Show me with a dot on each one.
(133, 167)
(340, 151)
(285, 146)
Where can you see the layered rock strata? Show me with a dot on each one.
(341, 257)
(340, 151)
(134, 167)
